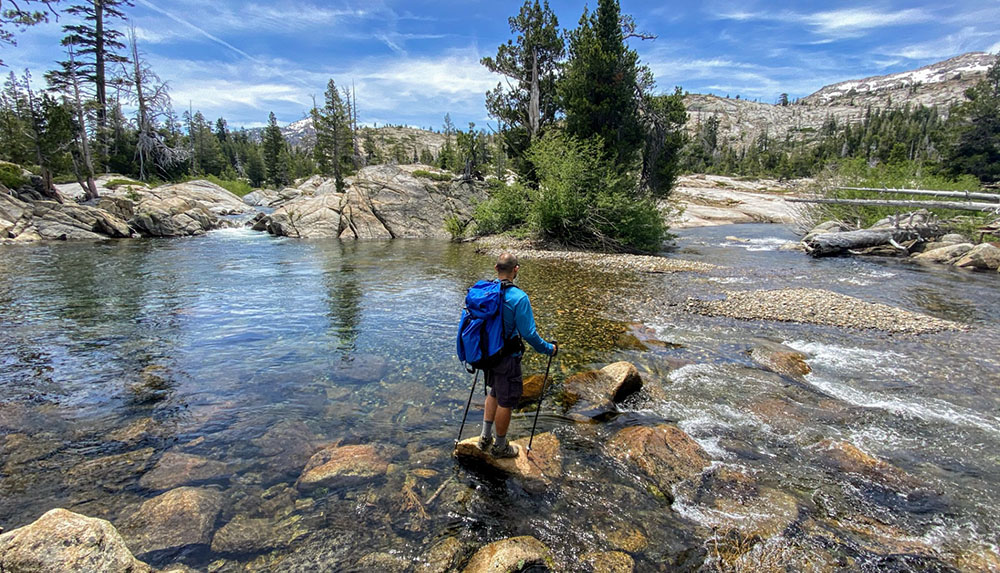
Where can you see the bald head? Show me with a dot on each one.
(506, 265)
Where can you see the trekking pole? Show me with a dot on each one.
(475, 381)
(541, 398)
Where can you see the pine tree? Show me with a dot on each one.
(528, 104)
(975, 139)
(96, 44)
(19, 15)
(334, 150)
(275, 154)
(600, 86)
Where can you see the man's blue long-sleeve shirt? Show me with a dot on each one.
(519, 319)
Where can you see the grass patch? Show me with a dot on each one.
(432, 176)
(237, 187)
(11, 177)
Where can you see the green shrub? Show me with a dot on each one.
(236, 187)
(432, 176)
(455, 226)
(506, 209)
(584, 200)
(11, 177)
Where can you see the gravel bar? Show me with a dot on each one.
(816, 306)
(612, 262)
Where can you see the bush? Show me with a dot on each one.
(432, 176)
(11, 177)
(236, 187)
(583, 200)
(455, 227)
(506, 209)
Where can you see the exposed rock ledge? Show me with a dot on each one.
(181, 209)
(380, 202)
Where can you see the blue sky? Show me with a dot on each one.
(413, 61)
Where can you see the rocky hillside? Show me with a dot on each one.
(742, 121)
(386, 138)
(940, 84)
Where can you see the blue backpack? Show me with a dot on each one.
(481, 337)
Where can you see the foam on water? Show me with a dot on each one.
(237, 234)
(762, 244)
(850, 361)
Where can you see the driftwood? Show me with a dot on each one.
(956, 205)
(967, 195)
(827, 244)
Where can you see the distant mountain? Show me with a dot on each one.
(741, 122)
(412, 140)
(940, 84)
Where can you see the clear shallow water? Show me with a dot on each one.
(215, 344)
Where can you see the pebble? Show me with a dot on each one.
(495, 245)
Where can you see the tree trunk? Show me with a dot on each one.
(967, 195)
(956, 205)
(535, 102)
(102, 97)
(827, 244)
(91, 187)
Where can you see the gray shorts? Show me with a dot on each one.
(505, 381)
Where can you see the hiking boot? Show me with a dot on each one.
(509, 451)
(485, 441)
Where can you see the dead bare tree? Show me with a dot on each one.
(152, 100)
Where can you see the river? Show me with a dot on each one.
(250, 351)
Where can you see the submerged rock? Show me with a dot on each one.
(664, 454)
(513, 554)
(178, 518)
(594, 394)
(847, 458)
(61, 541)
(608, 562)
(176, 469)
(111, 473)
(441, 558)
(780, 359)
(733, 500)
(536, 469)
(245, 534)
(342, 466)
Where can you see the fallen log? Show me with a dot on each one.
(967, 195)
(829, 244)
(956, 205)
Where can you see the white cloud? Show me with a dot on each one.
(968, 39)
(839, 23)
(836, 24)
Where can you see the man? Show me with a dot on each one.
(504, 380)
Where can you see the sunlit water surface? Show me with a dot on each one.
(210, 343)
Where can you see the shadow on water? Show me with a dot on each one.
(249, 353)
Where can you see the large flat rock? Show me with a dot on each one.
(537, 469)
(594, 394)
